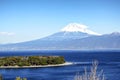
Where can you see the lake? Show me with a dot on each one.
(109, 62)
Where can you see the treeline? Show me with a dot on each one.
(31, 60)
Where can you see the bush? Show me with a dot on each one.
(93, 75)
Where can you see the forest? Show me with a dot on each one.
(31, 60)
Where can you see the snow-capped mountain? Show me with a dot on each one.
(66, 36)
(72, 31)
(73, 36)
(75, 27)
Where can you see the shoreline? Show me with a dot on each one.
(39, 66)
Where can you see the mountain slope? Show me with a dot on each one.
(97, 42)
(67, 39)
(72, 31)
(66, 35)
(94, 42)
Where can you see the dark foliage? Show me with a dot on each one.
(31, 60)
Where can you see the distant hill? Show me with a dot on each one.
(73, 36)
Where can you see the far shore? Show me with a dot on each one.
(38, 66)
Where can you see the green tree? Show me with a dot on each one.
(30, 60)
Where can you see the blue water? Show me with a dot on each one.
(109, 62)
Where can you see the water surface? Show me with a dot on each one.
(109, 61)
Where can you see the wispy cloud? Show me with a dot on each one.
(7, 33)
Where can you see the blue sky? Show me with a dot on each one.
(24, 20)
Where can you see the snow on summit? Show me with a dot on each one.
(75, 27)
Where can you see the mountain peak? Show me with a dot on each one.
(115, 33)
(75, 27)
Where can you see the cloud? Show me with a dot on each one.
(7, 33)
